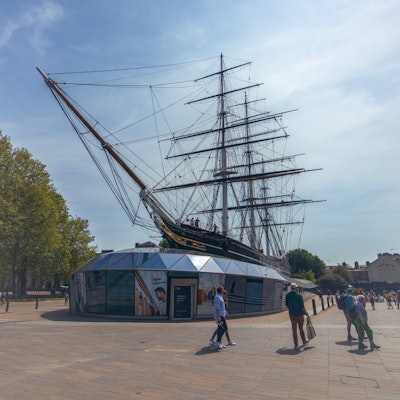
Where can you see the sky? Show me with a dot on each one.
(336, 61)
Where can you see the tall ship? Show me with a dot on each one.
(224, 185)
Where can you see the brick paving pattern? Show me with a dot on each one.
(46, 353)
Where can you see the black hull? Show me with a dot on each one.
(187, 237)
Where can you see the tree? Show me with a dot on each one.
(78, 238)
(302, 260)
(343, 271)
(332, 281)
(164, 243)
(309, 275)
(35, 228)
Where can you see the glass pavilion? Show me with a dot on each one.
(170, 284)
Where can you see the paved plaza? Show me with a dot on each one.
(46, 353)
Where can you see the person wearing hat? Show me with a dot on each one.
(349, 305)
(295, 304)
(361, 322)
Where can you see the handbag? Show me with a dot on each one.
(310, 329)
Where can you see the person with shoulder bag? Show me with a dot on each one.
(295, 304)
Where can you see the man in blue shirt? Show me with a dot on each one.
(349, 304)
(295, 305)
(219, 316)
(361, 322)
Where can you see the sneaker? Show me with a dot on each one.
(361, 346)
(230, 343)
(349, 338)
(296, 348)
(219, 345)
(306, 342)
(223, 346)
(374, 346)
(212, 341)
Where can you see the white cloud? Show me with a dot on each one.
(32, 22)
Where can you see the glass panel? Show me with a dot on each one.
(254, 291)
(236, 288)
(80, 285)
(152, 261)
(222, 263)
(253, 270)
(212, 267)
(120, 261)
(170, 259)
(183, 264)
(151, 295)
(96, 292)
(207, 288)
(279, 300)
(268, 295)
(97, 262)
(198, 261)
(236, 268)
(120, 292)
(271, 273)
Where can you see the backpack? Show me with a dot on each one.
(352, 313)
(341, 301)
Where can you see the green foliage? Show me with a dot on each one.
(302, 260)
(343, 271)
(309, 275)
(39, 241)
(336, 279)
(332, 281)
(79, 238)
(164, 243)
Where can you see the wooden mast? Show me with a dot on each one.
(145, 194)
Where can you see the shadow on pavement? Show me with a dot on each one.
(207, 350)
(65, 315)
(360, 352)
(346, 343)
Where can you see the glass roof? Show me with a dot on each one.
(175, 260)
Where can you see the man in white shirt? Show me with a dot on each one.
(219, 316)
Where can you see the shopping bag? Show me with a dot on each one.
(310, 329)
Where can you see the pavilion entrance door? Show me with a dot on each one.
(183, 299)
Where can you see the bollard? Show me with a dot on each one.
(37, 303)
(314, 307)
(327, 301)
(7, 305)
(322, 304)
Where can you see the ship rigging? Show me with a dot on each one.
(229, 190)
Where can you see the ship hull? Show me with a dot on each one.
(187, 237)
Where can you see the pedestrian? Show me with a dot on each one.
(371, 297)
(220, 317)
(295, 304)
(230, 342)
(361, 322)
(389, 299)
(348, 306)
(398, 299)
